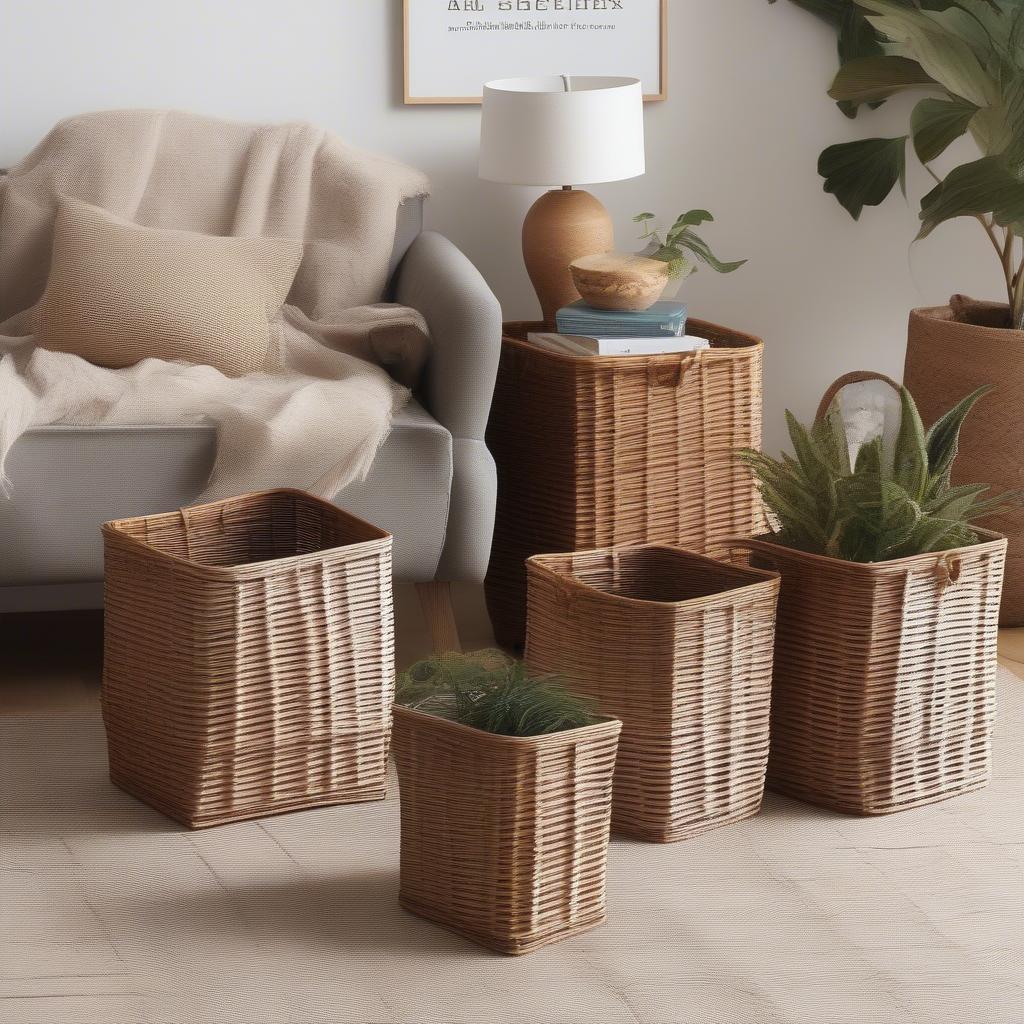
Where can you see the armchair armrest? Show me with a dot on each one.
(464, 318)
(465, 342)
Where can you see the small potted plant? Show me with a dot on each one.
(506, 785)
(637, 281)
(885, 647)
(967, 58)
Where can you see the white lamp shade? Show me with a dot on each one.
(534, 132)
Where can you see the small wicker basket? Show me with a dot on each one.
(249, 657)
(504, 839)
(679, 647)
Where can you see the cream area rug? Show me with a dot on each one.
(111, 913)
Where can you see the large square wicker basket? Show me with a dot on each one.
(594, 452)
(883, 693)
(679, 647)
(504, 838)
(248, 658)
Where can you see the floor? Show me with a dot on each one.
(112, 914)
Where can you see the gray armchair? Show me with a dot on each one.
(432, 484)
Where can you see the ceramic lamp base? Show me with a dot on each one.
(561, 226)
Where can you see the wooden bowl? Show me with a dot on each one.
(612, 280)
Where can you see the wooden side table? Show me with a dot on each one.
(618, 450)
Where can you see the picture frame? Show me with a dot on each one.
(450, 44)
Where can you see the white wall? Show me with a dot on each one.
(739, 135)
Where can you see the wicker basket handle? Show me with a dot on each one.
(671, 375)
(853, 377)
(947, 570)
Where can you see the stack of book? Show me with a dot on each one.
(585, 331)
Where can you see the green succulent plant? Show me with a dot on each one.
(490, 691)
(680, 240)
(894, 500)
(970, 55)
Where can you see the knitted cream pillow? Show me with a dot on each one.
(119, 293)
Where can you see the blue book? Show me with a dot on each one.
(665, 317)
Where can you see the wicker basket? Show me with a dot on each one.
(249, 657)
(618, 450)
(679, 647)
(883, 692)
(504, 839)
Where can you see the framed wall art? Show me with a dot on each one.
(453, 46)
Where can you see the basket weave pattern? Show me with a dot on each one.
(504, 839)
(593, 452)
(679, 647)
(248, 662)
(883, 694)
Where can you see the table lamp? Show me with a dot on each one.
(562, 130)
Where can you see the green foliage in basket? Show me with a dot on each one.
(969, 55)
(680, 240)
(490, 691)
(895, 499)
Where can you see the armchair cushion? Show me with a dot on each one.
(119, 293)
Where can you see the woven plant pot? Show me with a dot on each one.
(948, 358)
(883, 693)
(679, 647)
(248, 657)
(504, 839)
(618, 450)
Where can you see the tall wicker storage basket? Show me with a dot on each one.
(679, 647)
(248, 661)
(504, 838)
(618, 450)
(884, 683)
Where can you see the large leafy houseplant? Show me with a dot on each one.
(969, 56)
(892, 500)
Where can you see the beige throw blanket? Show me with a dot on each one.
(317, 421)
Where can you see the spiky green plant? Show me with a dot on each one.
(895, 499)
(490, 691)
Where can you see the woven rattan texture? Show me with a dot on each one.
(618, 450)
(249, 657)
(883, 689)
(679, 647)
(504, 839)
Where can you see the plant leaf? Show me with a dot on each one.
(689, 240)
(987, 185)
(856, 38)
(876, 78)
(815, 468)
(910, 459)
(935, 123)
(936, 534)
(944, 56)
(829, 437)
(862, 173)
(943, 437)
(641, 217)
(957, 21)
(691, 217)
(957, 502)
